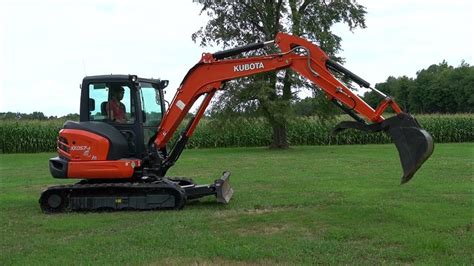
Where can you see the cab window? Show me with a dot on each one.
(111, 102)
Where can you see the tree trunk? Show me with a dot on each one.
(278, 115)
(275, 114)
(280, 140)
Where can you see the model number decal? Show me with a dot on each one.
(80, 148)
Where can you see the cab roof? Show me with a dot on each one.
(117, 78)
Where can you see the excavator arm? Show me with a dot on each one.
(414, 144)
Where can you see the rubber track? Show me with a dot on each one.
(113, 196)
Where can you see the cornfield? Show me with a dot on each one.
(243, 132)
(28, 136)
(40, 136)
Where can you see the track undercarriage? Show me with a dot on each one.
(146, 194)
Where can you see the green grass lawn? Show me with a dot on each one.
(305, 205)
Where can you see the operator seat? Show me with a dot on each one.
(103, 108)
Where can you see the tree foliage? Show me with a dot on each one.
(235, 23)
(438, 89)
(317, 106)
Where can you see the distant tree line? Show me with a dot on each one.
(35, 116)
(440, 88)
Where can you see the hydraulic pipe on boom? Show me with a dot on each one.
(414, 144)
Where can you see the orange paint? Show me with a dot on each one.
(117, 169)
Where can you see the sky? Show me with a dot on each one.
(47, 47)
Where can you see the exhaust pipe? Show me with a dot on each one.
(414, 144)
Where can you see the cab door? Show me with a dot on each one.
(152, 108)
(104, 103)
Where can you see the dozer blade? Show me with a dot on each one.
(224, 191)
(221, 189)
(414, 144)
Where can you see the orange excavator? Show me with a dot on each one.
(120, 150)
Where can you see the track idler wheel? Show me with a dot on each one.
(53, 201)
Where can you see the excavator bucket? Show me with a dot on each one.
(414, 144)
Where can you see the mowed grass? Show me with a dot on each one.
(305, 205)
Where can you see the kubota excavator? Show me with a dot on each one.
(122, 162)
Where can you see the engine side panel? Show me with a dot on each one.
(85, 154)
(82, 145)
(118, 146)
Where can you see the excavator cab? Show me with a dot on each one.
(134, 106)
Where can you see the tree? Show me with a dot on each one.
(373, 98)
(234, 23)
(72, 117)
(315, 106)
(399, 88)
(462, 78)
(38, 116)
(440, 88)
